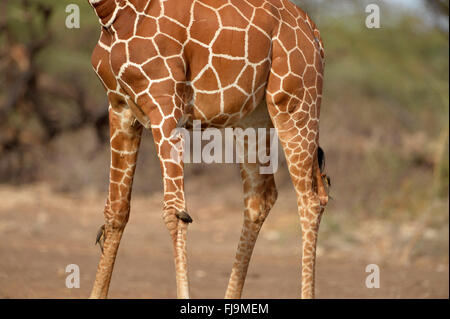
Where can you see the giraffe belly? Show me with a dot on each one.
(223, 87)
(224, 107)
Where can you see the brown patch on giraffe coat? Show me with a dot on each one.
(309, 77)
(279, 65)
(260, 51)
(105, 10)
(178, 10)
(156, 69)
(170, 125)
(119, 142)
(196, 56)
(173, 170)
(277, 3)
(157, 117)
(205, 24)
(105, 37)
(141, 49)
(157, 135)
(154, 9)
(258, 96)
(167, 46)
(121, 161)
(172, 29)
(293, 10)
(312, 114)
(292, 83)
(230, 69)
(288, 18)
(244, 8)
(235, 99)
(207, 81)
(207, 99)
(140, 5)
(100, 62)
(230, 42)
(146, 27)
(214, 3)
(116, 100)
(245, 81)
(231, 17)
(297, 61)
(118, 57)
(116, 175)
(124, 29)
(176, 68)
(308, 48)
(132, 74)
(248, 106)
(262, 72)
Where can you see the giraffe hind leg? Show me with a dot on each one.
(293, 95)
(303, 165)
(260, 194)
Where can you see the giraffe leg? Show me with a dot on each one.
(175, 216)
(293, 102)
(169, 147)
(260, 194)
(125, 139)
(311, 197)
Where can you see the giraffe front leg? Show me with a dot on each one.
(125, 136)
(169, 147)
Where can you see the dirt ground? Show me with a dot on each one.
(42, 232)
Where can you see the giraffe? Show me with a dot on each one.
(228, 63)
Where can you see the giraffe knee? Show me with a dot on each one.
(271, 195)
(117, 214)
(259, 205)
(311, 208)
(172, 217)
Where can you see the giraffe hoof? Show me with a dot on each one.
(184, 217)
(100, 239)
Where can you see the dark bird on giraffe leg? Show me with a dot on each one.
(101, 237)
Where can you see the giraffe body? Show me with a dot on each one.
(228, 63)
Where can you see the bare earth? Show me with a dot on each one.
(42, 232)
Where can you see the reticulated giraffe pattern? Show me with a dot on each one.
(228, 63)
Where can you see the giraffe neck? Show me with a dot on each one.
(106, 11)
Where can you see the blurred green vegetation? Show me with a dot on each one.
(404, 66)
(392, 85)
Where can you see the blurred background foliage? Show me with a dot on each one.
(384, 121)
